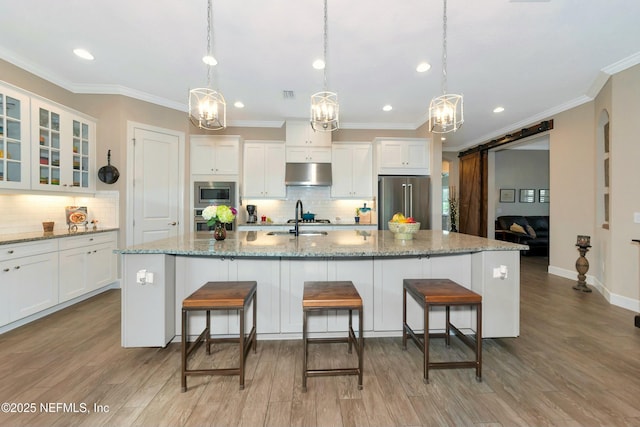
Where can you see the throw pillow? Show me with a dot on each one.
(517, 228)
(531, 232)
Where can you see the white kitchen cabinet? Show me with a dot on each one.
(300, 133)
(359, 272)
(14, 139)
(389, 275)
(294, 274)
(195, 272)
(86, 263)
(268, 293)
(352, 168)
(403, 156)
(28, 280)
(63, 149)
(215, 155)
(308, 154)
(264, 169)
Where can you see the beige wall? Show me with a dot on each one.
(624, 190)
(574, 165)
(572, 185)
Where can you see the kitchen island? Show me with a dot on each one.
(157, 276)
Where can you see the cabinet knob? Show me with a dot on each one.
(173, 223)
(17, 267)
(5, 270)
(10, 252)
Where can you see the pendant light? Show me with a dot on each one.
(446, 112)
(207, 107)
(324, 105)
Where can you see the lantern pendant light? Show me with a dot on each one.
(324, 105)
(207, 107)
(446, 112)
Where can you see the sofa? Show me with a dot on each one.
(529, 230)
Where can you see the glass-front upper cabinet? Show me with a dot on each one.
(49, 147)
(14, 138)
(81, 154)
(64, 151)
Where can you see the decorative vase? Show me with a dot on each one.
(219, 231)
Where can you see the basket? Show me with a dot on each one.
(404, 230)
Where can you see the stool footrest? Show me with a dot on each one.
(332, 372)
(452, 365)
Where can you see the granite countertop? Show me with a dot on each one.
(39, 235)
(339, 243)
(304, 224)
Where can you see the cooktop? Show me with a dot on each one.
(310, 221)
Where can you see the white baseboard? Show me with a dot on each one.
(614, 299)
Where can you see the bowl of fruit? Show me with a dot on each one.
(403, 228)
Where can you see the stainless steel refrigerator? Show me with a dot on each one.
(406, 194)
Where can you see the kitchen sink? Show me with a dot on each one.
(300, 233)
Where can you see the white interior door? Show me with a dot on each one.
(156, 185)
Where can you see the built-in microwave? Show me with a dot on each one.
(213, 193)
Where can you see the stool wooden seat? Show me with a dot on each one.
(325, 296)
(219, 296)
(442, 292)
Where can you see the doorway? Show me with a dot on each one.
(155, 183)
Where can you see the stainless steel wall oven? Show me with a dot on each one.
(207, 193)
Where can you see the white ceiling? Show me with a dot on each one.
(535, 58)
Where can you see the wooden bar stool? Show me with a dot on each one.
(219, 296)
(438, 292)
(325, 296)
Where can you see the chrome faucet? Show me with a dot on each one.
(298, 215)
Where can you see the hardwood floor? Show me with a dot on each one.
(576, 363)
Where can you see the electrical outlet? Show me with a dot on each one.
(141, 276)
(500, 272)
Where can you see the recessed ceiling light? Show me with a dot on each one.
(238, 104)
(318, 64)
(84, 54)
(387, 108)
(498, 109)
(423, 66)
(209, 60)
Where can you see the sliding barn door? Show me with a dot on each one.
(473, 194)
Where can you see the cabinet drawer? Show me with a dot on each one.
(19, 250)
(85, 240)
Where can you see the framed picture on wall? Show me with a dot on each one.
(507, 195)
(527, 196)
(543, 196)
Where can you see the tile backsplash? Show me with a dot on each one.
(22, 213)
(316, 200)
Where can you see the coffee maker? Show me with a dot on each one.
(252, 214)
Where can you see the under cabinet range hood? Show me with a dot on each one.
(308, 174)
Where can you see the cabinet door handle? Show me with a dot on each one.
(172, 223)
(5, 270)
(17, 267)
(10, 252)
